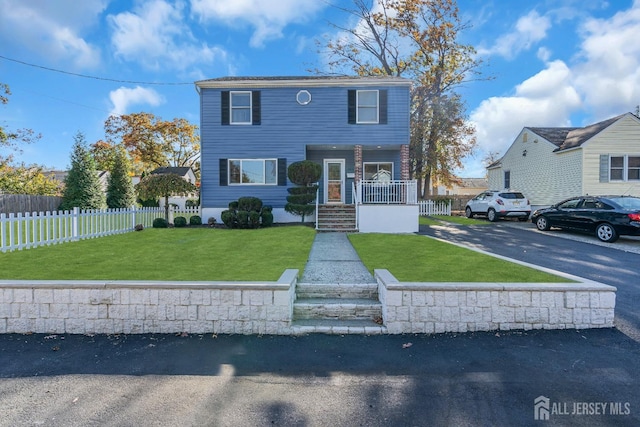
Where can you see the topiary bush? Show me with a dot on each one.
(196, 220)
(180, 221)
(247, 212)
(300, 200)
(160, 223)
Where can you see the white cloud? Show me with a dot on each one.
(546, 99)
(53, 29)
(268, 18)
(529, 30)
(156, 35)
(609, 71)
(123, 97)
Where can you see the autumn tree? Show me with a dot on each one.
(82, 186)
(152, 142)
(164, 185)
(12, 140)
(416, 39)
(120, 192)
(104, 154)
(25, 179)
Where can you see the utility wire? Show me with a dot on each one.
(95, 77)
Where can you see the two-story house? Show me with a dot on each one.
(356, 128)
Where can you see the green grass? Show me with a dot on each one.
(460, 220)
(413, 258)
(168, 254)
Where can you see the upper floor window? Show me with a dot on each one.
(624, 168)
(367, 106)
(240, 107)
(240, 104)
(367, 111)
(507, 179)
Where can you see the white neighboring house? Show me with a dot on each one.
(187, 174)
(549, 165)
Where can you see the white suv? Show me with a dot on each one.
(499, 204)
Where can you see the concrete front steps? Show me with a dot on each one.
(337, 309)
(337, 218)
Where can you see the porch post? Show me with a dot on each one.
(357, 154)
(404, 162)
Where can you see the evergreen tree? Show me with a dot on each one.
(120, 193)
(82, 186)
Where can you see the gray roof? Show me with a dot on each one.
(571, 137)
(182, 171)
(311, 80)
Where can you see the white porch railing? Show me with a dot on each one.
(387, 192)
(29, 230)
(432, 207)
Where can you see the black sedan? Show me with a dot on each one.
(606, 216)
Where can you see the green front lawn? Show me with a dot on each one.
(198, 254)
(413, 258)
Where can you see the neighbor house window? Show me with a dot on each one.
(507, 179)
(624, 168)
(378, 172)
(240, 108)
(253, 172)
(367, 106)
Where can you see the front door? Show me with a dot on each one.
(334, 181)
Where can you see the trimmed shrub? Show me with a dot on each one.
(196, 220)
(233, 206)
(267, 208)
(243, 219)
(211, 221)
(254, 219)
(180, 221)
(249, 204)
(305, 175)
(139, 227)
(160, 223)
(266, 218)
(229, 218)
(302, 199)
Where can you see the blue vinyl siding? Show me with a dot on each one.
(285, 131)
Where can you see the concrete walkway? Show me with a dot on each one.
(333, 260)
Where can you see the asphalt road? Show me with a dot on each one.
(591, 377)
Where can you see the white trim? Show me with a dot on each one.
(239, 92)
(625, 167)
(301, 93)
(326, 179)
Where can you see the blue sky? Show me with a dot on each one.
(552, 62)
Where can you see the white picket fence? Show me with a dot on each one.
(432, 207)
(30, 230)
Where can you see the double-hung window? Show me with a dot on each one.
(253, 172)
(240, 105)
(367, 110)
(624, 168)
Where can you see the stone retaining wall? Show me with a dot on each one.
(81, 307)
(462, 307)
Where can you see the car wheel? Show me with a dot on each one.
(606, 233)
(491, 215)
(542, 224)
(468, 212)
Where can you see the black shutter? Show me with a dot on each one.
(604, 168)
(352, 107)
(255, 108)
(224, 169)
(382, 105)
(224, 109)
(282, 172)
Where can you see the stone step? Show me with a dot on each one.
(337, 308)
(343, 290)
(337, 327)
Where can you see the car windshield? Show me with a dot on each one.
(511, 195)
(627, 202)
